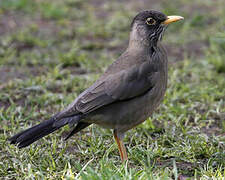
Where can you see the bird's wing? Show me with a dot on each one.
(126, 84)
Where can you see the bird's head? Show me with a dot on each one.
(147, 27)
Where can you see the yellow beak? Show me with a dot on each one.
(171, 19)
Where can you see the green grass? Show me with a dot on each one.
(50, 51)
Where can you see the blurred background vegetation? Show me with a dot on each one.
(50, 51)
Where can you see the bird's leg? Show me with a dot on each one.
(121, 147)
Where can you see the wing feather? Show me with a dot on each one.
(123, 85)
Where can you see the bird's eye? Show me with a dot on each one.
(150, 21)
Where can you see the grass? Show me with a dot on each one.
(51, 51)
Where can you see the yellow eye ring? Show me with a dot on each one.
(150, 21)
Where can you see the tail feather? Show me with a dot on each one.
(79, 127)
(34, 133)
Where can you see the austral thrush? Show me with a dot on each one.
(125, 95)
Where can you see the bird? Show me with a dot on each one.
(125, 95)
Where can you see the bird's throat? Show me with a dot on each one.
(139, 40)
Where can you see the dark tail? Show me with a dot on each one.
(34, 133)
(79, 127)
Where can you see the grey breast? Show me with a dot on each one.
(125, 114)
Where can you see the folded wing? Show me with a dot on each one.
(123, 85)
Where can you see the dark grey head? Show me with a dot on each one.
(148, 26)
